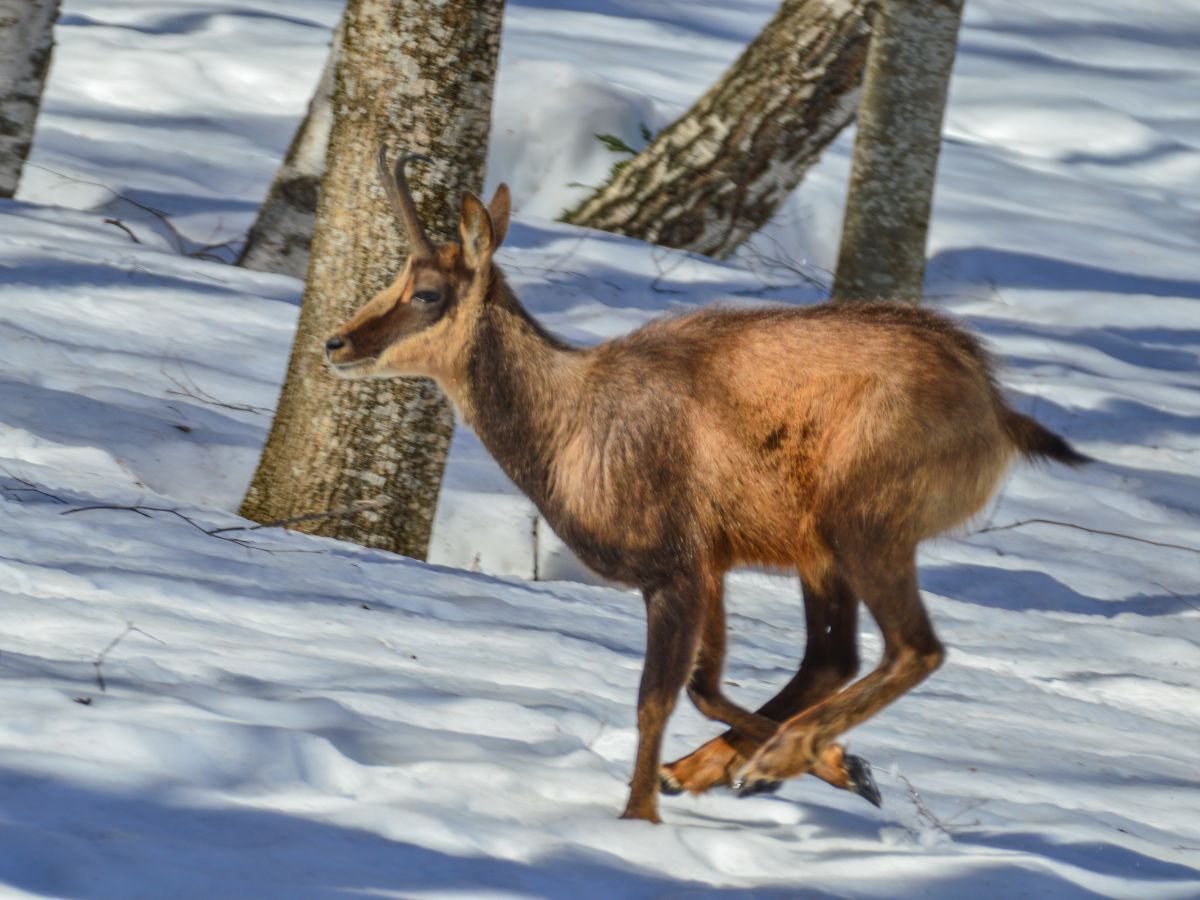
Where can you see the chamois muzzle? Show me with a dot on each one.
(344, 357)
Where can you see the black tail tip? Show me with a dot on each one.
(1056, 448)
(1038, 442)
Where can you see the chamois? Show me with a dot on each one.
(829, 440)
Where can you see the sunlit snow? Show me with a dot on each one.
(287, 716)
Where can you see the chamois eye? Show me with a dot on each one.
(427, 296)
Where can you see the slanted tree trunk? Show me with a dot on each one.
(26, 42)
(717, 174)
(281, 236)
(882, 255)
(416, 74)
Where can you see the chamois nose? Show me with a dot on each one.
(334, 343)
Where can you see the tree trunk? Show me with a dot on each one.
(282, 234)
(411, 73)
(26, 42)
(896, 151)
(717, 174)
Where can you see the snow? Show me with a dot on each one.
(289, 716)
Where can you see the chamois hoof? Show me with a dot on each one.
(748, 787)
(668, 785)
(860, 780)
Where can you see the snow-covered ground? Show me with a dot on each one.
(287, 716)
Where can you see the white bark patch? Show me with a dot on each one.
(717, 174)
(26, 41)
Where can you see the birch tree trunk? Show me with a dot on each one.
(717, 174)
(882, 255)
(26, 42)
(281, 237)
(411, 73)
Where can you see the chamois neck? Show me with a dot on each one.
(523, 388)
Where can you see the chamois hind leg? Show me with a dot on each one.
(887, 584)
(830, 661)
(704, 686)
(672, 642)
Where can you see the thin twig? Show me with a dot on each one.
(175, 235)
(205, 251)
(125, 228)
(569, 276)
(99, 661)
(211, 401)
(29, 487)
(785, 263)
(1116, 534)
(663, 274)
(195, 392)
(923, 811)
(117, 195)
(143, 511)
(31, 490)
(307, 517)
(1178, 596)
(211, 532)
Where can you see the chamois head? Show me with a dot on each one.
(419, 325)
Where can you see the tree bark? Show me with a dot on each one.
(281, 237)
(26, 43)
(412, 73)
(882, 254)
(715, 176)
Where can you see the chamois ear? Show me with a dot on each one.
(500, 209)
(476, 232)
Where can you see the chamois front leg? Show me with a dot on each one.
(672, 642)
(704, 686)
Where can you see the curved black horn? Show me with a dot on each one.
(396, 187)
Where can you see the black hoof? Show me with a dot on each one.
(668, 785)
(862, 782)
(749, 787)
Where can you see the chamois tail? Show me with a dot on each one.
(1035, 441)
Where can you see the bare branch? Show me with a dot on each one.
(145, 512)
(98, 663)
(1116, 534)
(1178, 596)
(308, 517)
(193, 391)
(924, 813)
(174, 234)
(781, 261)
(125, 228)
(27, 487)
(141, 511)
